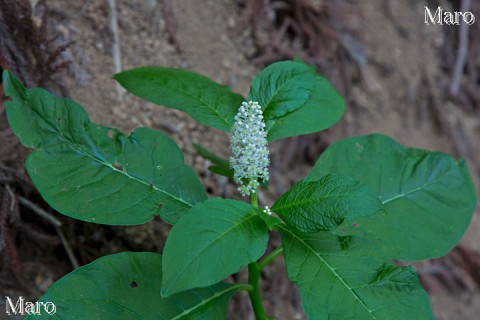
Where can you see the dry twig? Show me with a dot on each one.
(56, 223)
(42, 213)
(117, 58)
(170, 25)
(68, 249)
(462, 51)
(7, 238)
(453, 128)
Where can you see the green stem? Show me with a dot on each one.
(274, 254)
(253, 277)
(254, 199)
(255, 297)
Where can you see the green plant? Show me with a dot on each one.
(366, 201)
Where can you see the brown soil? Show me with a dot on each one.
(212, 37)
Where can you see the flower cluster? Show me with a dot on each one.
(249, 148)
(267, 211)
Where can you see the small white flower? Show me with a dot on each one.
(267, 211)
(249, 158)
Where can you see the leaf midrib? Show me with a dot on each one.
(117, 305)
(85, 152)
(415, 190)
(320, 200)
(213, 297)
(330, 268)
(267, 107)
(202, 102)
(251, 214)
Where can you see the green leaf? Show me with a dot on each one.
(322, 205)
(221, 166)
(127, 286)
(282, 87)
(347, 278)
(428, 196)
(214, 240)
(271, 221)
(94, 173)
(295, 100)
(222, 171)
(203, 99)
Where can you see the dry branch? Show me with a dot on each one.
(42, 213)
(170, 25)
(117, 58)
(56, 223)
(462, 51)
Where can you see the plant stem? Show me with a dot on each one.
(253, 277)
(255, 297)
(274, 254)
(254, 199)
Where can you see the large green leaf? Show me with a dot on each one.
(213, 240)
(127, 286)
(295, 100)
(94, 173)
(204, 100)
(325, 204)
(429, 196)
(347, 278)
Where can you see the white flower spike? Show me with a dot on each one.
(249, 148)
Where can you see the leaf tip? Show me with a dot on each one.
(116, 76)
(120, 78)
(12, 86)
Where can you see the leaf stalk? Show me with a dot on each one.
(253, 277)
(272, 256)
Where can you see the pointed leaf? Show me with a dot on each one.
(127, 286)
(325, 204)
(428, 196)
(221, 166)
(94, 173)
(295, 100)
(221, 171)
(282, 87)
(204, 100)
(213, 240)
(347, 278)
